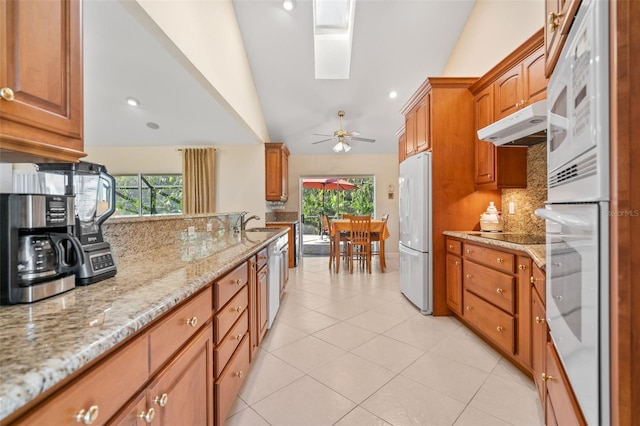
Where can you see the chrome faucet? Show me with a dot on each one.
(243, 226)
(243, 221)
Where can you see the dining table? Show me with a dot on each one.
(378, 228)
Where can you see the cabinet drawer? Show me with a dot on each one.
(227, 386)
(172, 332)
(495, 324)
(229, 343)
(495, 258)
(539, 283)
(102, 390)
(496, 287)
(454, 246)
(565, 406)
(227, 316)
(225, 288)
(262, 258)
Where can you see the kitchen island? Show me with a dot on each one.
(46, 343)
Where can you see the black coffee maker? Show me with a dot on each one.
(94, 192)
(39, 255)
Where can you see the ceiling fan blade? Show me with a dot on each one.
(320, 134)
(353, 134)
(363, 139)
(324, 140)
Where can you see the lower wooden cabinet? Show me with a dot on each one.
(561, 405)
(228, 384)
(539, 332)
(454, 283)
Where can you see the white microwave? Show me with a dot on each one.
(578, 111)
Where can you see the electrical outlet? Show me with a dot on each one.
(512, 207)
(191, 230)
(209, 226)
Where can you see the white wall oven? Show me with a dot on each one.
(577, 209)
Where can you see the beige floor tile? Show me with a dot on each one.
(237, 406)
(468, 350)
(474, 417)
(308, 300)
(509, 401)
(352, 376)
(341, 310)
(268, 374)
(304, 402)
(308, 353)
(446, 376)
(310, 322)
(345, 335)
(361, 417)
(388, 353)
(401, 309)
(366, 300)
(246, 417)
(423, 331)
(375, 321)
(405, 402)
(507, 370)
(280, 335)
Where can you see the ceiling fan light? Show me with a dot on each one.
(288, 5)
(346, 147)
(337, 147)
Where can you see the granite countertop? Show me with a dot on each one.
(538, 252)
(43, 342)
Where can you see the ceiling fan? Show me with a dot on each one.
(343, 137)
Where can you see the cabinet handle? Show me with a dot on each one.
(238, 281)
(457, 262)
(239, 309)
(468, 308)
(240, 373)
(192, 321)
(451, 246)
(499, 290)
(161, 400)
(522, 267)
(7, 94)
(500, 329)
(469, 251)
(89, 416)
(539, 320)
(490, 177)
(546, 377)
(239, 336)
(532, 280)
(148, 416)
(554, 21)
(469, 276)
(500, 260)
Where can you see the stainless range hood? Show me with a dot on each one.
(527, 126)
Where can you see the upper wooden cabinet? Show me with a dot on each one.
(418, 124)
(41, 79)
(402, 142)
(514, 83)
(276, 157)
(560, 15)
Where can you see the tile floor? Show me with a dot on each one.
(351, 350)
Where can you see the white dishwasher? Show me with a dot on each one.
(276, 250)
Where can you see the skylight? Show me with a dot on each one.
(333, 33)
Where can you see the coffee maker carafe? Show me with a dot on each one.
(94, 192)
(39, 255)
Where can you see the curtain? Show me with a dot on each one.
(198, 180)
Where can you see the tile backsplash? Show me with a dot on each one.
(530, 198)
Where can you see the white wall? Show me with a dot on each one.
(494, 29)
(383, 167)
(239, 171)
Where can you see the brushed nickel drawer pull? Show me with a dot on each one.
(89, 416)
(193, 321)
(148, 416)
(161, 400)
(499, 290)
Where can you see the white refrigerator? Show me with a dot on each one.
(416, 261)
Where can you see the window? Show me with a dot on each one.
(142, 194)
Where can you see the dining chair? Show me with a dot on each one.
(335, 251)
(376, 241)
(359, 244)
(326, 226)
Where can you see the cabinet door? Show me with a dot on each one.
(485, 151)
(41, 59)
(524, 310)
(423, 124)
(284, 171)
(454, 283)
(410, 128)
(538, 342)
(273, 178)
(135, 414)
(182, 393)
(535, 83)
(402, 147)
(253, 309)
(508, 92)
(560, 15)
(263, 308)
(565, 407)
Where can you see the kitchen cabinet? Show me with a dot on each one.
(402, 143)
(515, 82)
(560, 15)
(538, 343)
(292, 237)
(454, 275)
(277, 171)
(561, 405)
(41, 103)
(417, 136)
(258, 296)
(410, 147)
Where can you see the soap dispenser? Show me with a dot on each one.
(491, 219)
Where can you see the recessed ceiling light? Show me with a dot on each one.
(132, 101)
(393, 94)
(152, 125)
(288, 5)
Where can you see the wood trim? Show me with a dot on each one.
(436, 82)
(625, 228)
(525, 49)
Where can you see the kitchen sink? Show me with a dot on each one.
(265, 229)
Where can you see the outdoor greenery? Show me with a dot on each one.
(148, 194)
(335, 203)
